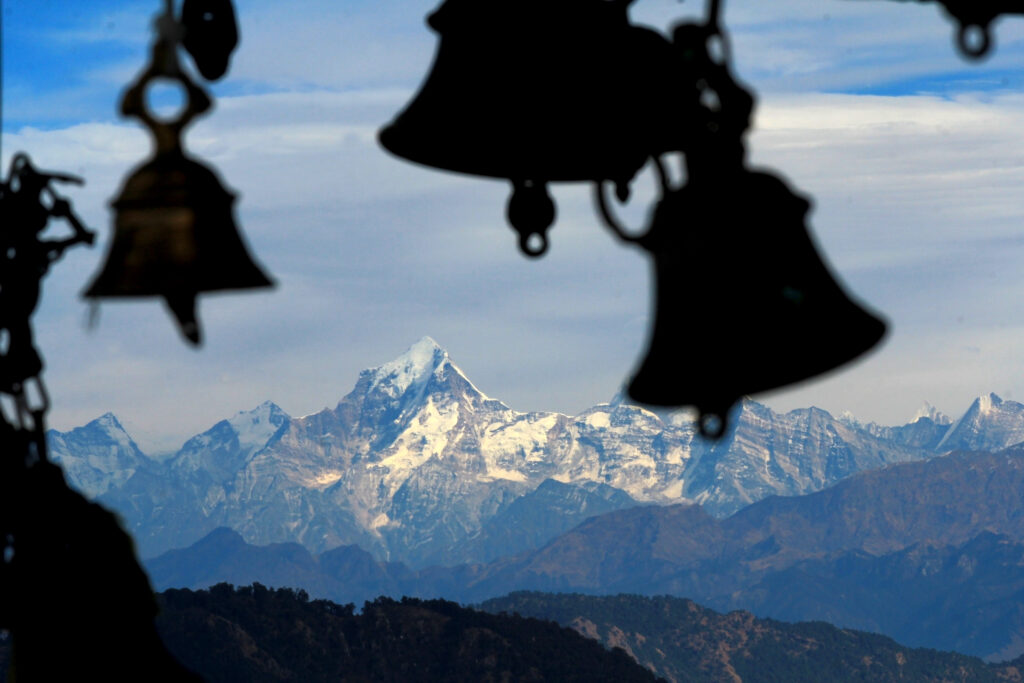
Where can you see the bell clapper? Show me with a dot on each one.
(209, 35)
(622, 193)
(183, 306)
(712, 425)
(531, 211)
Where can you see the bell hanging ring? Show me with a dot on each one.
(175, 234)
(974, 19)
(539, 92)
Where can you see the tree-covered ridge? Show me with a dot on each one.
(682, 641)
(256, 634)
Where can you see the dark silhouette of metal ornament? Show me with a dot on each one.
(211, 35)
(101, 615)
(974, 20)
(540, 91)
(27, 203)
(174, 231)
(743, 300)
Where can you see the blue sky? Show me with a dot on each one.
(913, 155)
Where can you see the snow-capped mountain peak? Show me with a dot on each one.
(254, 428)
(106, 431)
(848, 418)
(403, 386)
(111, 426)
(229, 444)
(411, 370)
(932, 413)
(107, 419)
(990, 424)
(986, 404)
(97, 457)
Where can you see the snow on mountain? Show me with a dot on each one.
(97, 457)
(410, 371)
(255, 428)
(989, 424)
(932, 413)
(230, 443)
(247, 432)
(848, 418)
(415, 461)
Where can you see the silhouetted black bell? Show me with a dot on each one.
(541, 91)
(743, 300)
(175, 236)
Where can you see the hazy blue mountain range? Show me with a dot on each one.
(930, 553)
(417, 465)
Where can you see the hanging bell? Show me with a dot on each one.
(175, 234)
(743, 301)
(540, 91)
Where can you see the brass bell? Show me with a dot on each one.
(540, 91)
(744, 302)
(175, 234)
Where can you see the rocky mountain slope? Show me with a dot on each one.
(416, 464)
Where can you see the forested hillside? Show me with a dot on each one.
(255, 634)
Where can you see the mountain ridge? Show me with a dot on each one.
(415, 462)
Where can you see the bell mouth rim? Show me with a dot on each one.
(568, 174)
(91, 293)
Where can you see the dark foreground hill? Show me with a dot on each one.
(682, 641)
(255, 634)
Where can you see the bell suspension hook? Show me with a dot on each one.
(531, 212)
(604, 206)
